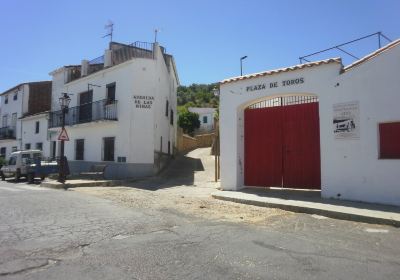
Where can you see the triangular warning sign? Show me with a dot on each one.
(63, 135)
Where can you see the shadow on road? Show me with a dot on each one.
(181, 171)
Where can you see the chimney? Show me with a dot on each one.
(84, 67)
(156, 47)
(107, 58)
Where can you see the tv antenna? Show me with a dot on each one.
(110, 28)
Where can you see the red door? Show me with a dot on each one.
(263, 161)
(282, 146)
(301, 151)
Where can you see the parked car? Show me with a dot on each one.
(29, 164)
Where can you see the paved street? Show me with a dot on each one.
(53, 234)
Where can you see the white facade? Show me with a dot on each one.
(350, 168)
(206, 118)
(140, 122)
(34, 133)
(14, 109)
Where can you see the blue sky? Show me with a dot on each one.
(207, 38)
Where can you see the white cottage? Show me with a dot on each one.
(122, 112)
(318, 125)
(206, 118)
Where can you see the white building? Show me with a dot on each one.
(316, 125)
(206, 118)
(122, 112)
(24, 118)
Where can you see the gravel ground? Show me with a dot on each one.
(186, 187)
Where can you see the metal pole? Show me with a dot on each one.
(241, 67)
(61, 175)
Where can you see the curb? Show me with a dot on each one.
(317, 211)
(57, 185)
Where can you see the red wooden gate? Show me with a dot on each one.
(282, 145)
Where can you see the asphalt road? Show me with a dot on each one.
(56, 234)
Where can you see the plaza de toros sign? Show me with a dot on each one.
(284, 83)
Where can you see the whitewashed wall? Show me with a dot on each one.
(29, 134)
(350, 168)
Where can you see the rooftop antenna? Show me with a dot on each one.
(156, 30)
(110, 28)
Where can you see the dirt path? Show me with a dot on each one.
(186, 186)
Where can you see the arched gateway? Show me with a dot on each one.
(282, 143)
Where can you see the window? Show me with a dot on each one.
(14, 149)
(39, 146)
(171, 117)
(169, 147)
(79, 149)
(53, 149)
(108, 148)
(12, 160)
(6, 99)
(389, 139)
(5, 121)
(14, 120)
(205, 119)
(37, 127)
(15, 97)
(3, 152)
(27, 146)
(166, 108)
(110, 93)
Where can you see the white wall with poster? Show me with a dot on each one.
(361, 97)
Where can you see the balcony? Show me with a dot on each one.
(7, 132)
(103, 110)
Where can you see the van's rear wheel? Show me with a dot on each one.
(31, 178)
(17, 175)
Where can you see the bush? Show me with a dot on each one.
(188, 121)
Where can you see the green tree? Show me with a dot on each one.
(188, 121)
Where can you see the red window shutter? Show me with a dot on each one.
(389, 140)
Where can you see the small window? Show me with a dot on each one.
(169, 147)
(27, 146)
(79, 149)
(108, 148)
(14, 149)
(39, 146)
(389, 139)
(205, 119)
(171, 117)
(3, 152)
(110, 93)
(6, 99)
(166, 108)
(37, 127)
(15, 97)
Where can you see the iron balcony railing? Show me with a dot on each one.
(96, 111)
(7, 132)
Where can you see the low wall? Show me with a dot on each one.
(186, 143)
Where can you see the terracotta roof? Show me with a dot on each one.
(372, 55)
(286, 69)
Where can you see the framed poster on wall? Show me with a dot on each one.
(346, 120)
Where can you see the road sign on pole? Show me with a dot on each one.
(63, 135)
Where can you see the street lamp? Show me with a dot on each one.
(64, 101)
(241, 64)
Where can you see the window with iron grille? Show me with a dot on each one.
(108, 148)
(15, 97)
(27, 146)
(6, 99)
(205, 119)
(79, 149)
(166, 108)
(171, 118)
(389, 139)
